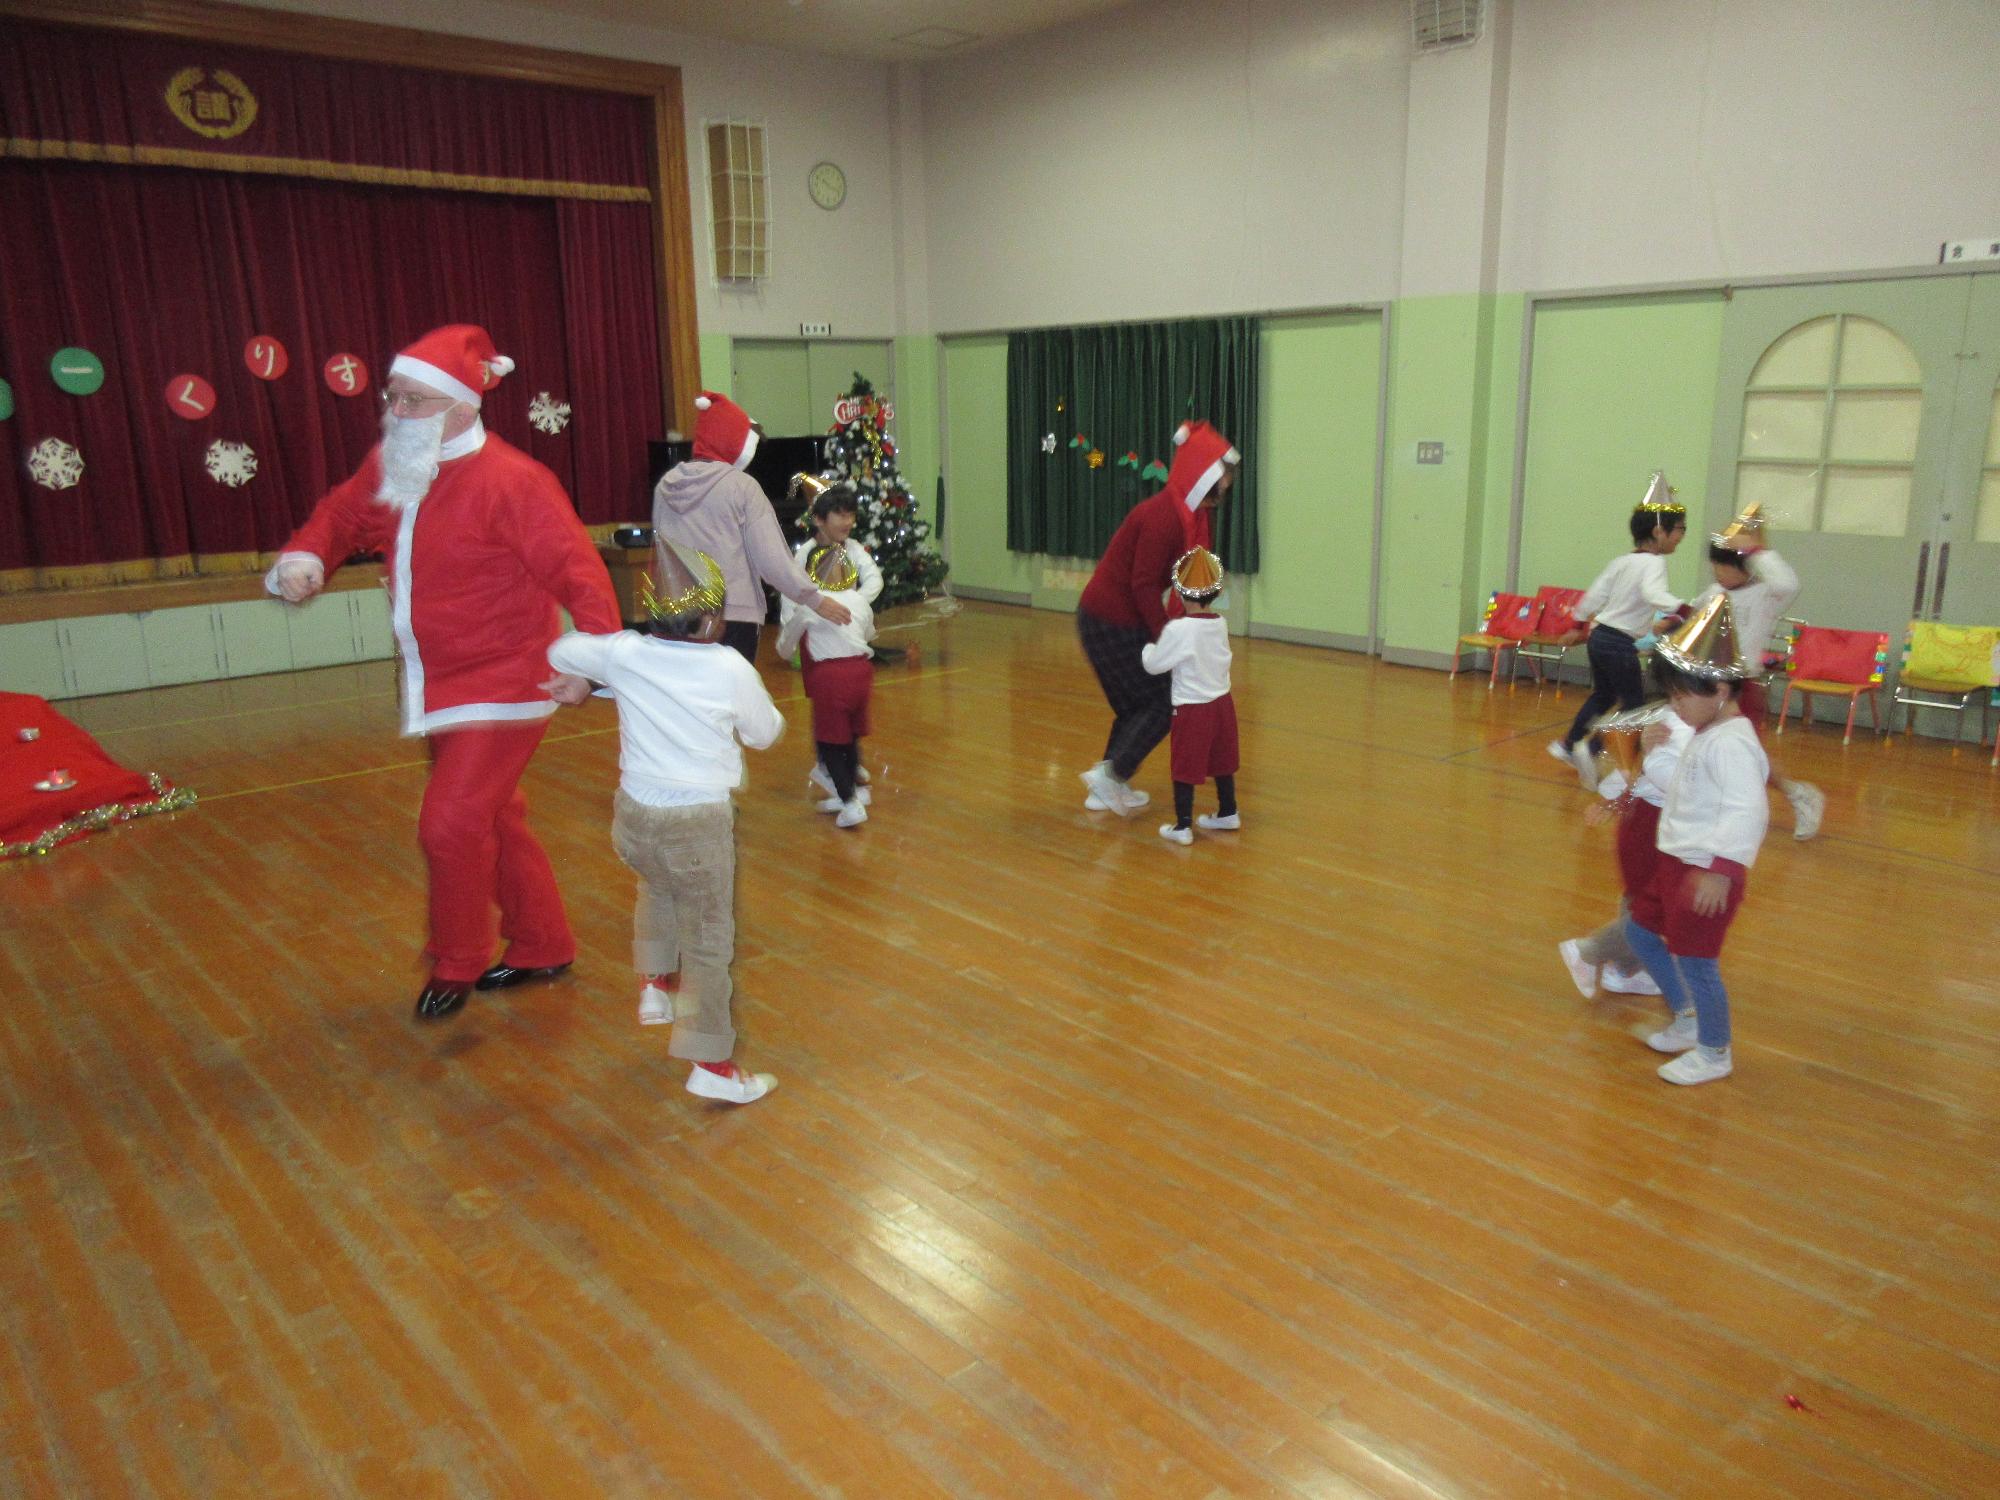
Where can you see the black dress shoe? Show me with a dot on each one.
(442, 997)
(501, 977)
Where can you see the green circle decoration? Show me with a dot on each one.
(77, 371)
(6, 401)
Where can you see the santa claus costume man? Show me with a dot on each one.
(708, 504)
(482, 546)
(1124, 606)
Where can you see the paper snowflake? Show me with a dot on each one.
(232, 464)
(54, 464)
(1049, 443)
(548, 414)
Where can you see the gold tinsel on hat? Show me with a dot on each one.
(1706, 645)
(835, 578)
(1659, 497)
(692, 578)
(1197, 572)
(811, 486)
(1748, 526)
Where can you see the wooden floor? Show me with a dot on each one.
(1286, 1165)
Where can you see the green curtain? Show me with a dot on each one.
(1124, 387)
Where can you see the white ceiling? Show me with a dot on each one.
(892, 30)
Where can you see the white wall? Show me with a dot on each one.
(837, 267)
(1185, 157)
(1658, 142)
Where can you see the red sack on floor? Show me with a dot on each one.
(102, 792)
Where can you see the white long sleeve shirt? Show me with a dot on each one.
(827, 639)
(1757, 607)
(870, 585)
(1195, 648)
(1629, 594)
(683, 708)
(1716, 807)
(1656, 771)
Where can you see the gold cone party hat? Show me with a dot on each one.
(1706, 645)
(1748, 527)
(1621, 733)
(684, 581)
(1197, 572)
(1659, 497)
(808, 487)
(832, 568)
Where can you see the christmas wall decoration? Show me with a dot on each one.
(345, 375)
(547, 414)
(266, 357)
(54, 464)
(77, 371)
(189, 397)
(6, 401)
(229, 463)
(860, 452)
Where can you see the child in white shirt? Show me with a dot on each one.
(1710, 830)
(1622, 605)
(1194, 647)
(840, 679)
(684, 703)
(831, 517)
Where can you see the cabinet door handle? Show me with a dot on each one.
(1923, 573)
(1937, 594)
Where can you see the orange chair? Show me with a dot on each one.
(1846, 662)
(1555, 617)
(1506, 623)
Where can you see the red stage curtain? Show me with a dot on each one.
(162, 272)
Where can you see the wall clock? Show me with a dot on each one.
(828, 185)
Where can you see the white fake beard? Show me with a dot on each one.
(410, 447)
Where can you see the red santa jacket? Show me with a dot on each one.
(476, 569)
(1130, 581)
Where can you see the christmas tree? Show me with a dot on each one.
(860, 452)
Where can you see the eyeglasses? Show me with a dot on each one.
(411, 402)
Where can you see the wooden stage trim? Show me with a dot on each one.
(1287, 1165)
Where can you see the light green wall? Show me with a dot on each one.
(773, 382)
(975, 412)
(1619, 387)
(917, 418)
(716, 374)
(1316, 473)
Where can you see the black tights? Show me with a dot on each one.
(840, 761)
(1225, 800)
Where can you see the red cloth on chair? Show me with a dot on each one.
(25, 813)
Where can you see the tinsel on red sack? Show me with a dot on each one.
(57, 784)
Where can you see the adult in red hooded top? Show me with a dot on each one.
(1124, 606)
(482, 546)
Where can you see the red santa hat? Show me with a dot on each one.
(457, 360)
(1200, 455)
(722, 432)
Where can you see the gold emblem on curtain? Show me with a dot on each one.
(211, 102)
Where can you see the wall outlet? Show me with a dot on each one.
(1951, 252)
(1430, 453)
(815, 330)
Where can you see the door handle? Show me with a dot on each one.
(1937, 594)
(1923, 573)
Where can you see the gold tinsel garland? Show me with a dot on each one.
(100, 818)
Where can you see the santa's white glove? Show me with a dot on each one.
(296, 579)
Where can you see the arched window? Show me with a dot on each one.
(1830, 429)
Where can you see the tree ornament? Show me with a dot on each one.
(547, 414)
(54, 464)
(230, 463)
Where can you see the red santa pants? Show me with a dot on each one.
(474, 833)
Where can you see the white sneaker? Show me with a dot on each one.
(1808, 807)
(851, 814)
(1679, 1035)
(1582, 975)
(1216, 823)
(741, 1088)
(1559, 751)
(1175, 835)
(1586, 764)
(656, 1006)
(1134, 798)
(1107, 790)
(1698, 1066)
(1638, 982)
(861, 776)
(829, 804)
(818, 777)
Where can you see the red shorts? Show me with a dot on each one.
(1638, 846)
(1755, 705)
(839, 692)
(1204, 742)
(1667, 907)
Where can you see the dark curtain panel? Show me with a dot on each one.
(1125, 387)
(161, 271)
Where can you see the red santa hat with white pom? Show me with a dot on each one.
(1200, 455)
(723, 433)
(457, 360)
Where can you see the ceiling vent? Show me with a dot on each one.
(1439, 24)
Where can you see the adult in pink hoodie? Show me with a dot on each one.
(710, 505)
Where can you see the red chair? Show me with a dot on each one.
(1845, 662)
(1555, 617)
(1506, 623)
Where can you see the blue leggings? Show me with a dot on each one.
(1685, 983)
